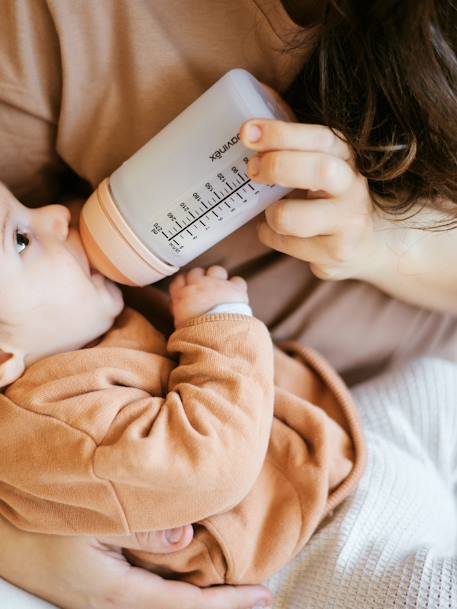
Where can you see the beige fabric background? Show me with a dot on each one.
(84, 84)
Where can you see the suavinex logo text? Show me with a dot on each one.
(217, 154)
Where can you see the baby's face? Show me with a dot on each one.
(50, 300)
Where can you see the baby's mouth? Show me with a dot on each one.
(75, 247)
(101, 283)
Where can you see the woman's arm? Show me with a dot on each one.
(414, 265)
(334, 225)
(83, 573)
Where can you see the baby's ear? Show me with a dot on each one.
(11, 367)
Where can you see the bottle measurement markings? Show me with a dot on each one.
(210, 209)
(210, 204)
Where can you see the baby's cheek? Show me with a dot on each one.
(65, 274)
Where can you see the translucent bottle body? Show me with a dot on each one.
(187, 188)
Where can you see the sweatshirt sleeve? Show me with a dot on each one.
(128, 460)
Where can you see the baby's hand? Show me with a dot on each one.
(198, 291)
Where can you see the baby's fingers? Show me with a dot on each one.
(195, 275)
(239, 282)
(177, 283)
(218, 272)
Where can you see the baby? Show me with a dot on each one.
(116, 429)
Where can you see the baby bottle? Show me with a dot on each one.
(183, 191)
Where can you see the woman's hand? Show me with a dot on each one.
(331, 224)
(83, 573)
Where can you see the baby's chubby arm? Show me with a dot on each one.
(123, 440)
(207, 443)
(199, 291)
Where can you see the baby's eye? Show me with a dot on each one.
(22, 240)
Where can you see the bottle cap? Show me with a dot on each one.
(113, 248)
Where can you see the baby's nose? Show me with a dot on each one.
(55, 220)
(61, 222)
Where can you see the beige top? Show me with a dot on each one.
(117, 438)
(88, 83)
(85, 83)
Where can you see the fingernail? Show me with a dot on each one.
(254, 166)
(173, 536)
(263, 602)
(253, 132)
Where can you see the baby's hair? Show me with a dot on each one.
(384, 74)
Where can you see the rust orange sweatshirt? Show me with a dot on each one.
(212, 427)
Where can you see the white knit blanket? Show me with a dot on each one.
(393, 544)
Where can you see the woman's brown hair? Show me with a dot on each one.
(384, 74)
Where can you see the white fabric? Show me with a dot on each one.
(393, 544)
(237, 308)
(14, 598)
